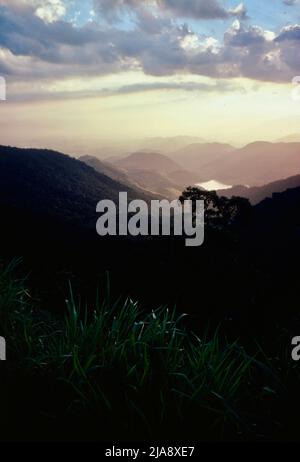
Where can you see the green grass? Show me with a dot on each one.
(114, 370)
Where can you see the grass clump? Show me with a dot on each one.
(112, 370)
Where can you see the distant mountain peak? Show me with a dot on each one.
(154, 161)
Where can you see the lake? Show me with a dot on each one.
(213, 185)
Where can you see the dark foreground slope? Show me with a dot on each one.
(48, 216)
(127, 372)
(49, 183)
(239, 276)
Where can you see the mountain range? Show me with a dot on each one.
(255, 164)
(257, 194)
(48, 209)
(156, 173)
(48, 181)
(53, 184)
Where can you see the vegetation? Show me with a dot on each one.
(105, 368)
(219, 210)
(27, 182)
(112, 370)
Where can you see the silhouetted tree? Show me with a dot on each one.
(219, 210)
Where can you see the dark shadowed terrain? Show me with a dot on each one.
(243, 282)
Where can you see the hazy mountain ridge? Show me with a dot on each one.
(121, 176)
(157, 173)
(27, 176)
(293, 138)
(148, 161)
(258, 193)
(201, 156)
(260, 162)
(255, 164)
(52, 183)
(167, 144)
(105, 168)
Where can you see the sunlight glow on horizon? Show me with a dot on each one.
(251, 111)
(87, 73)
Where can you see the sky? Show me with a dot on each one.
(84, 74)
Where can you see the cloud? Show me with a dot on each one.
(289, 40)
(51, 10)
(290, 2)
(39, 92)
(202, 9)
(291, 33)
(33, 48)
(197, 9)
(48, 10)
(219, 86)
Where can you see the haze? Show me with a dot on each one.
(95, 77)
